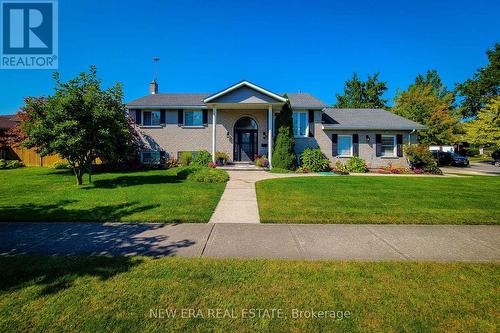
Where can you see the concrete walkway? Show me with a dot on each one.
(238, 203)
(346, 242)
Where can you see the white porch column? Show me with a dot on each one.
(270, 128)
(214, 133)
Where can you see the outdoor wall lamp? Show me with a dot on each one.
(227, 135)
(264, 135)
(367, 138)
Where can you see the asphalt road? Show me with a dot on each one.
(475, 168)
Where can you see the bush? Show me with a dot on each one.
(284, 147)
(10, 164)
(471, 152)
(262, 162)
(341, 168)
(356, 164)
(208, 175)
(185, 158)
(202, 158)
(302, 169)
(171, 163)
(420, 157)
(61, 165)
(212, 165)
(314, 160)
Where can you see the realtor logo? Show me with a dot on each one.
(29, 34)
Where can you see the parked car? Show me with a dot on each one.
(448, 158)
(496, 157)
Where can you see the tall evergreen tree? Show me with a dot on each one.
(284, 144)
(363, 94)
(484, 85)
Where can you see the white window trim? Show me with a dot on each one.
(395, 150)
(338, 145)
(191, 126)
(298, 123)
(150, 125)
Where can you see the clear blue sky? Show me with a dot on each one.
(285, 46)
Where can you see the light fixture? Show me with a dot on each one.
(367, 138)
(227, 134)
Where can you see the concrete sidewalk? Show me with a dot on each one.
(346, 242)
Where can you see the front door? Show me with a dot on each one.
(245, 146)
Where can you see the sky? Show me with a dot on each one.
(284, 46)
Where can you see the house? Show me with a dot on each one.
(245, 114)
(6, 122)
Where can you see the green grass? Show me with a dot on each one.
(363, 199)
(42, 194)
(97, 294)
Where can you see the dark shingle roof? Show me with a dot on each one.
(305, 100)
(189, 99)
(8, 121)
(372, 119)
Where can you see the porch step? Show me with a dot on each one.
(242, 166)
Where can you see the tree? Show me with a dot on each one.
(80, 122)
(484, 85)
(359, 94)
(427, 102)
(284, 146)
(485, 130)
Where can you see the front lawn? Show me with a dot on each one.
(124, 294)
(364, 199)
(42, 194)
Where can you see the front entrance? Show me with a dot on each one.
(245, 140)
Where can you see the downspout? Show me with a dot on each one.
(409, 136)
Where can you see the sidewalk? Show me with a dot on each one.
(344, 242)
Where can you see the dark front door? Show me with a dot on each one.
(245, 146)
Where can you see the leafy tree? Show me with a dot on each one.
(359, 94)
(80, 122)
(427, 102)
(485, 130)
(284, 145)
(484, 85)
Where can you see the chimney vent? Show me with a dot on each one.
(153, 87)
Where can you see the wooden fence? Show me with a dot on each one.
(30, 157)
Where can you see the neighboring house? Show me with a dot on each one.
(245, 115)
(6, 123)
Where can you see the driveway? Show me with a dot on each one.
(312, 242)
(482, 168)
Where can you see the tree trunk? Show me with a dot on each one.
(79, 177)
(90, 173)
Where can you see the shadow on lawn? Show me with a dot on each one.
(125, 181)
(59, 212)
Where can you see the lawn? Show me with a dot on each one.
(363, 199)
(123, 294)
(43, 194)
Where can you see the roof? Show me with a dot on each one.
(169, 100)
(305, 100)
(372, 119)
(8, 121)
(241, 84)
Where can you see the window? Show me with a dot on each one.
(300, 124)
(344, 147)
(150, 157)
(388, 145)
(193, 118)
(151, 118)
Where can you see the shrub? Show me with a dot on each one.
(302, 169)
(185, 158)
(202, 158)
(284, 147)
(356, 164)
(341, 168)
(170, 163)
(208, 175)
(212, 165)
(420, 157)
(471, 152)
(262, 162)
(61, 165)
(10, 164)
(221, 157)
(314, 160)
(418, 171)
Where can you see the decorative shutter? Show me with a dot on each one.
(180, 117)
(334, 144)
(399, 141)
(205, 117)
(138, 116)
(311, 123)
(355, 144)
(162, 117)
(378, 145)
